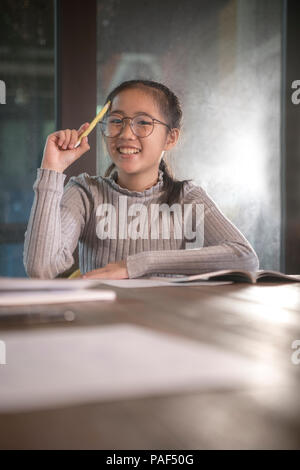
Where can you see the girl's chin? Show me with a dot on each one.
(127, 165)
(129, 157)
(128, 161)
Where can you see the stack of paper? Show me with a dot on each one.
(23, 291)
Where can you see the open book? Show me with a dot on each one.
(235, 275)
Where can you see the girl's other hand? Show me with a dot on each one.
(110, 271)
(59, 151)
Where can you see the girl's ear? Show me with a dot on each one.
(172, 138)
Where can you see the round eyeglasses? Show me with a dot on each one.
(141, 125)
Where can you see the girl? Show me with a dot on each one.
(119, 220)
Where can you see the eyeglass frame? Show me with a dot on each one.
(154, 120)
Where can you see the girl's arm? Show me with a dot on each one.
(57, 219)
(224, 247)
(54, 224)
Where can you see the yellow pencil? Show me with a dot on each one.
(75, 274)
(93, 123)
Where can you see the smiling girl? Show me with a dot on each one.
(112, 217)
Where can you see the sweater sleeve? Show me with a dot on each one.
(224, 247)
(56, 223)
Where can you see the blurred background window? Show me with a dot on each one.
(27, 69)
(223, 59)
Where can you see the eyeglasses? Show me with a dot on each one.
(141, 125)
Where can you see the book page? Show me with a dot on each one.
(158, 282)
(214, 276)
(276, 276)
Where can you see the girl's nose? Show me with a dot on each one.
(127, 131)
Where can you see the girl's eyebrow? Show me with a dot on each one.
(122, 112)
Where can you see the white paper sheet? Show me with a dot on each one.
(50, 368)
(55, 297)
(26, 284)
(133, 283)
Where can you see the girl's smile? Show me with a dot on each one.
(126, 150)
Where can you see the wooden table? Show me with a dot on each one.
(258, 321)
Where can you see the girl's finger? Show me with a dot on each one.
(73, 140)
(61, 138)
(83, 128)
(67, 138)
(83, 147)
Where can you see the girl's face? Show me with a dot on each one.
(129, 103)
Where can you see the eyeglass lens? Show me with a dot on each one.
(141, 125)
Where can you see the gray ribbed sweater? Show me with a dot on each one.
(62, 217)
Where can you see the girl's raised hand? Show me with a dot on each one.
(59, 151)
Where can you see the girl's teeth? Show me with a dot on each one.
(128, 151)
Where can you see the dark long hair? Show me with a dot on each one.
(171, 110)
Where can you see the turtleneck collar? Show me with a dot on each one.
(155, 189)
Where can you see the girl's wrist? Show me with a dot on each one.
(46, 167)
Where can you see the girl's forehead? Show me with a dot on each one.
(134, 100)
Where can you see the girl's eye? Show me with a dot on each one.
(115, 121)
(144, 123)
